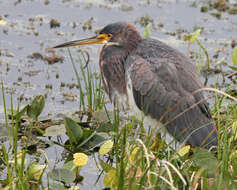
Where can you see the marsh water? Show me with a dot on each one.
(32, 26)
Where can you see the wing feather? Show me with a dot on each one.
(159, 92)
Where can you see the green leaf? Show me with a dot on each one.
(105, 166)
(193, 36)
(69, 165)
(96, 141)
(36, 107)
(36, 171)
(222, 60)
(146, 33)
(187, 37)
(21, 112)
(56, 186)
(55, 130)
(110, 178)
(234, 57)
(87, 136)
(74, 131)
(234, 68)
(62, 175)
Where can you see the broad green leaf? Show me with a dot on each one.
(36, 107)
(55, 130)
(69, 165)
(110, 178)
(74, 130)
(96, 141)
(61, 174)
(234, 57)
(106, 147)
(184, 150)
(146, 33)
(87, 136)
(105, 166)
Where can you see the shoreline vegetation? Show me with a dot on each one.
(125, 155)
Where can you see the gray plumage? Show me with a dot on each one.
(163, 84)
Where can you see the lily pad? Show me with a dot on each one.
(62, 175)
(69, 165)
(55, 130)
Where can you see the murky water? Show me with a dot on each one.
(28, 31)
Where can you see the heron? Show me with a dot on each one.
(152, 79)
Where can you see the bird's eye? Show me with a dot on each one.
(109, 35)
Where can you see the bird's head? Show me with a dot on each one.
(120, 34)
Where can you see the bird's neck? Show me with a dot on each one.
(134, 39)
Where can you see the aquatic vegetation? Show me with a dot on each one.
(127, 155)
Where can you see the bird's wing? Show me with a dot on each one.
(158, 92)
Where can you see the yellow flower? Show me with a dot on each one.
(106, 147)
(80, 159)
(3, 23)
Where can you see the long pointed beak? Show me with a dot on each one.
(93, 40)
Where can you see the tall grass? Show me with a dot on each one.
(141, 159)
(93, 93)
(13, 155)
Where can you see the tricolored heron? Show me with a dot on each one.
(150, 77)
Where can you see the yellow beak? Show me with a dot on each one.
(99, 39)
